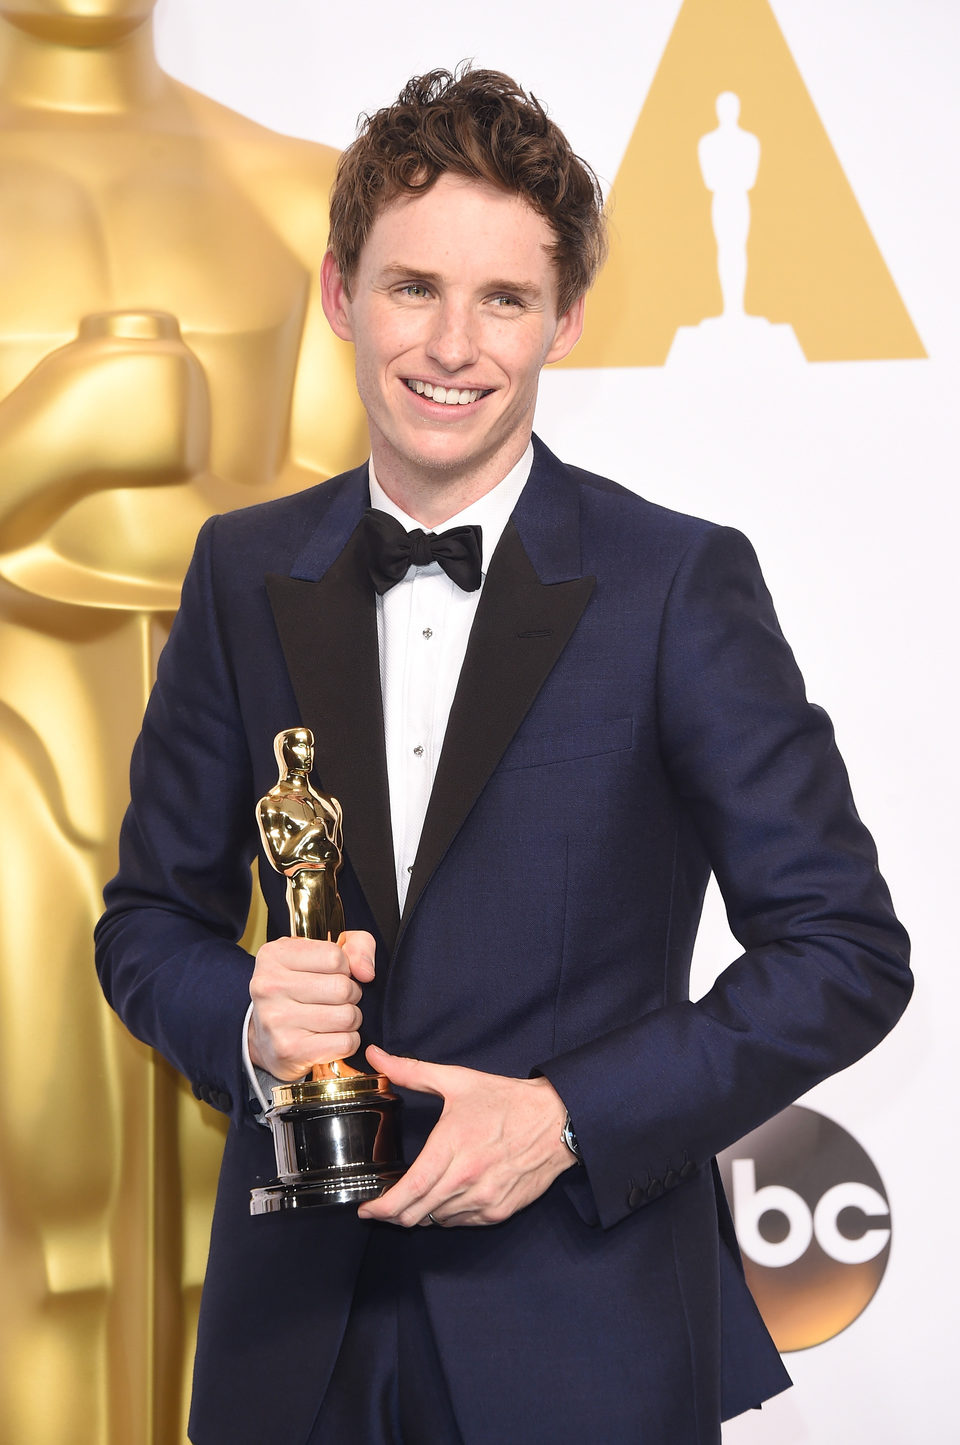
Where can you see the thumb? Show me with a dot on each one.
(360, 950)
(414, 1074)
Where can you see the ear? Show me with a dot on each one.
(335, 298)
(567, 334)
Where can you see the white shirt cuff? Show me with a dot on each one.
(258, 1079)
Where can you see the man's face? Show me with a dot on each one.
(453, 311)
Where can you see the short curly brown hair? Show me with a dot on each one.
(479, 124)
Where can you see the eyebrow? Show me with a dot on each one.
(526, 290)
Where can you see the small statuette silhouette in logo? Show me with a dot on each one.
(729, 161)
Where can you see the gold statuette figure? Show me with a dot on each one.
(335, 1134)
(302, 835)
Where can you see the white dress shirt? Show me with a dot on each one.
(423, 627)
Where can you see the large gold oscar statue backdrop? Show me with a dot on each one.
(162, 357)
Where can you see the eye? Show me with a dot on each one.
(504, 301)
(415, 289)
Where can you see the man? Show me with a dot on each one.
(537, 774)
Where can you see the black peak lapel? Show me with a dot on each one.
(521, 627)
(328, 631)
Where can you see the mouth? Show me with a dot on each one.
(447, 395)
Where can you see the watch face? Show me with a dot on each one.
(570, 1139)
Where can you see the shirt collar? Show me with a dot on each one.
(490, 512)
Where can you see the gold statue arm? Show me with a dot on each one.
(125, 403)
(291, 848)
(328, 428)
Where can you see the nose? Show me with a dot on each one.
(453, 342)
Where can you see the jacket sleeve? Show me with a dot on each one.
(166, 947)
(824, 972)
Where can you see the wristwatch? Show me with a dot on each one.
(570, 1139)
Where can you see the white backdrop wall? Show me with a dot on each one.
(843, 475)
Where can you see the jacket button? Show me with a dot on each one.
(654, 1189)
(688, 1169)
(671, 1179)
(636, 1197)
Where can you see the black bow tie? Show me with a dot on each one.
(390, 550)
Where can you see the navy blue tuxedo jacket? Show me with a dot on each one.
(628, 718)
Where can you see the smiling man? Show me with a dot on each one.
(545, 729)
(453, 308)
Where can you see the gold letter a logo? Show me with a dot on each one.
(724, 209)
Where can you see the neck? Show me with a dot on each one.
(431, 497)
(296, 775)
(75, 65)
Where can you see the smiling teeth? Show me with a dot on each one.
(448, 395)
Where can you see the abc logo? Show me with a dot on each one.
(813, 1223)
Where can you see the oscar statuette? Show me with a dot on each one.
(335, 1134)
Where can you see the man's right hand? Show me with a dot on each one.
(306, 997)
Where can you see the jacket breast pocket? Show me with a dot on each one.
(580, 740)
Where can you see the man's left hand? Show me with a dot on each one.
(495, 1148)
